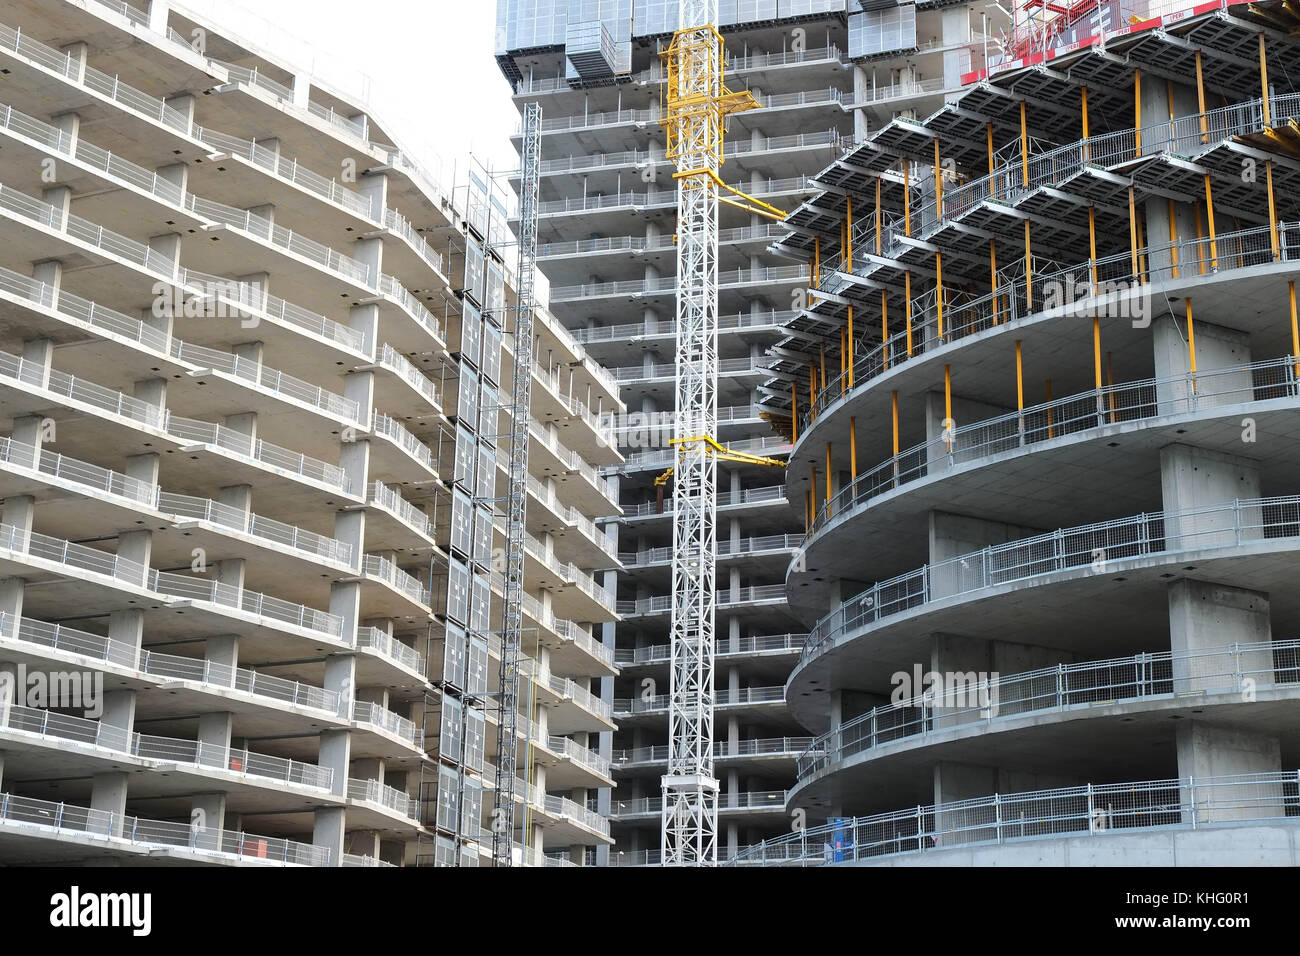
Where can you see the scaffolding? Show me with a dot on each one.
(503, 817)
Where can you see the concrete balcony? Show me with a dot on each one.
(757, 807)
(758, 756)
(41, 830)
(747, 703)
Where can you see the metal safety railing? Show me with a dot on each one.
(1084, 811)
(46, 815)
(1229, 669)
(1093, 546)
(1075, 415)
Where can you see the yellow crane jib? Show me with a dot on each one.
(698, 123)
(721, 453)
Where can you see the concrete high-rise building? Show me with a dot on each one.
(826, 72)
(256, 368)
(1045, 404)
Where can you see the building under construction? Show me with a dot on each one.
(293, 455)
(1044, 403)
(1035, 370)
(824, 74)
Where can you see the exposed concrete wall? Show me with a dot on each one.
(1208, 750)
(1240, 845)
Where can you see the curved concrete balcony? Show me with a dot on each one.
(400, 521)
(1099, 822)
(400, 454)
(1136, 417)
(398, 594)
(41, 829)
(573, 649)
(590, 546)
(1103, 706)
(1017, 309)
(1251, 542)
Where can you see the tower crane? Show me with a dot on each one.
(696, 110)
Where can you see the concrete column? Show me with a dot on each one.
(955, 536)
(1206, 750)
(158, 11)
(127, 626)
(60, 197)
(1205, 616)
(345, 601)
(29, 431)
(108, 794)
(1217, 348)
(214, 739)
(166, 246)
(374, 186)
(328, 831)
(37, 360)
(49, 272)
(222, 652)
(954, 782)
(77, 53)
(178, 174)
(208, 819)
(239, 497)
(11, 606)
(964, 412)
(19, 512)
(365, 319)
(354, 454)
(1197, 478)
(144, 467)
(371, 253)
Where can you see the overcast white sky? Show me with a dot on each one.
(431, 74)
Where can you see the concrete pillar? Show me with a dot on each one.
(964, 412)
(165, 254)
(77, 53)
(354, 454)
(328, 832)
(365, 319)
(127, 626)
(959, 781)
(957, 536)
(158, 15)
(29, 431)
(214, 741)
(374, 186)
(1206, 751)
(37, 360)
(49, 272)
(178, 174)
(245, 423)
(239, 497)
(11, 606)
(19, 512)
(222, 652)
(108, 794)
(208, 819)
(1217, 348)
(1205, 616)
(1196, 478)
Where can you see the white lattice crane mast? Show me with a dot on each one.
(697, 105)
